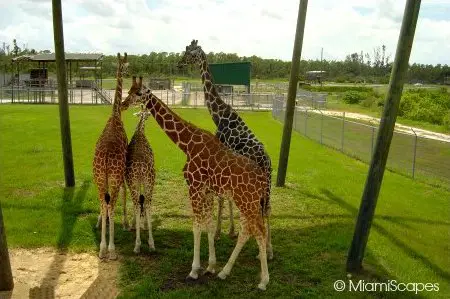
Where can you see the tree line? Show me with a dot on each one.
(357, 67)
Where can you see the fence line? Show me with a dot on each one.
(409, 153)
(252, 101)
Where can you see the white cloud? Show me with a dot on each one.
(253, 27)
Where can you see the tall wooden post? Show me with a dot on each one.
(386, 130)
(6, 279)
(292, 91)
(62, 94)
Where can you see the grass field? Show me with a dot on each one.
(312, 223)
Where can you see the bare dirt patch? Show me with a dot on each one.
(49, 273)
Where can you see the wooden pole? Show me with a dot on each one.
(292, 91)
(62, 93)
(6, 278)
(386, 130)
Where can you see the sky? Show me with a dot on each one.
(265, 28)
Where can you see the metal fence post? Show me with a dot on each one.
(321, 127)
(306, 121)
(415, 151)
(343, 128)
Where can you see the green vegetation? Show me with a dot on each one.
(337, 88)
(432, 106)
(313, 217)
(355, 68)
(427, 108)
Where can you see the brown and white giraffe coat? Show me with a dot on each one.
(109, 164)
(212, 168)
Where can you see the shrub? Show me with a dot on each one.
(446, 121)
(368, 102)
(431, 106)
(354, 97)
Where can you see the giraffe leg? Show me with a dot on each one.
(148, 215)
(111, 207)
(263, 258)
(126, 226)
(137, 214)
(103, 213)
(196, 262)
(210, 228)
(134, 191)
(269, 241)
(202, 207)
(243, 237)
(232, 232)
(219, 218)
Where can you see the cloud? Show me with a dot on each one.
(253, 27)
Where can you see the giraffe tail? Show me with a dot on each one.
(141, 202)
(107, 198)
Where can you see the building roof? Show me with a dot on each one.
(51, 57)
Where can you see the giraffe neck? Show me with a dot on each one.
(118, 94)
(141, 125)
(177, 129)
(216, 106)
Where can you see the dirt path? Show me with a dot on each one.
(47, 273)
(398, 127)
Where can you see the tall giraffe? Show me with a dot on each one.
(213, 168)
(231, 129)
(109, 164)
(140, 178)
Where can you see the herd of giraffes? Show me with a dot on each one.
(232, 164)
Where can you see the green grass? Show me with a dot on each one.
(313, 216)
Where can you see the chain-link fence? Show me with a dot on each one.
(409, 154)
(194, 99)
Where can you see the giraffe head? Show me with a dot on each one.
(136, 94)
(192, 55)
(122, 67)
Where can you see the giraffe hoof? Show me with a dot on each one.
(137, 249)
(102, 253)
(112, 255)
(191, 277)
(222, 275)
(262, 287)
(210, 270)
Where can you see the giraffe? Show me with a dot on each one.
(231, 129)
(212, 168)
(109, 164)
(140, 178)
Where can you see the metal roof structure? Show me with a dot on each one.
(51, 57)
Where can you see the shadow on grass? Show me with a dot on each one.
(306, 264)
(71, 207)
(400, 221)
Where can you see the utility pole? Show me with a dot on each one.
(64, 119)
(6, 278)
(384, 138)
(292, 91)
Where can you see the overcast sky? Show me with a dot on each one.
(264, 28)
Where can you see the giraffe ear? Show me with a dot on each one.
(118, 56)
(125, 57)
